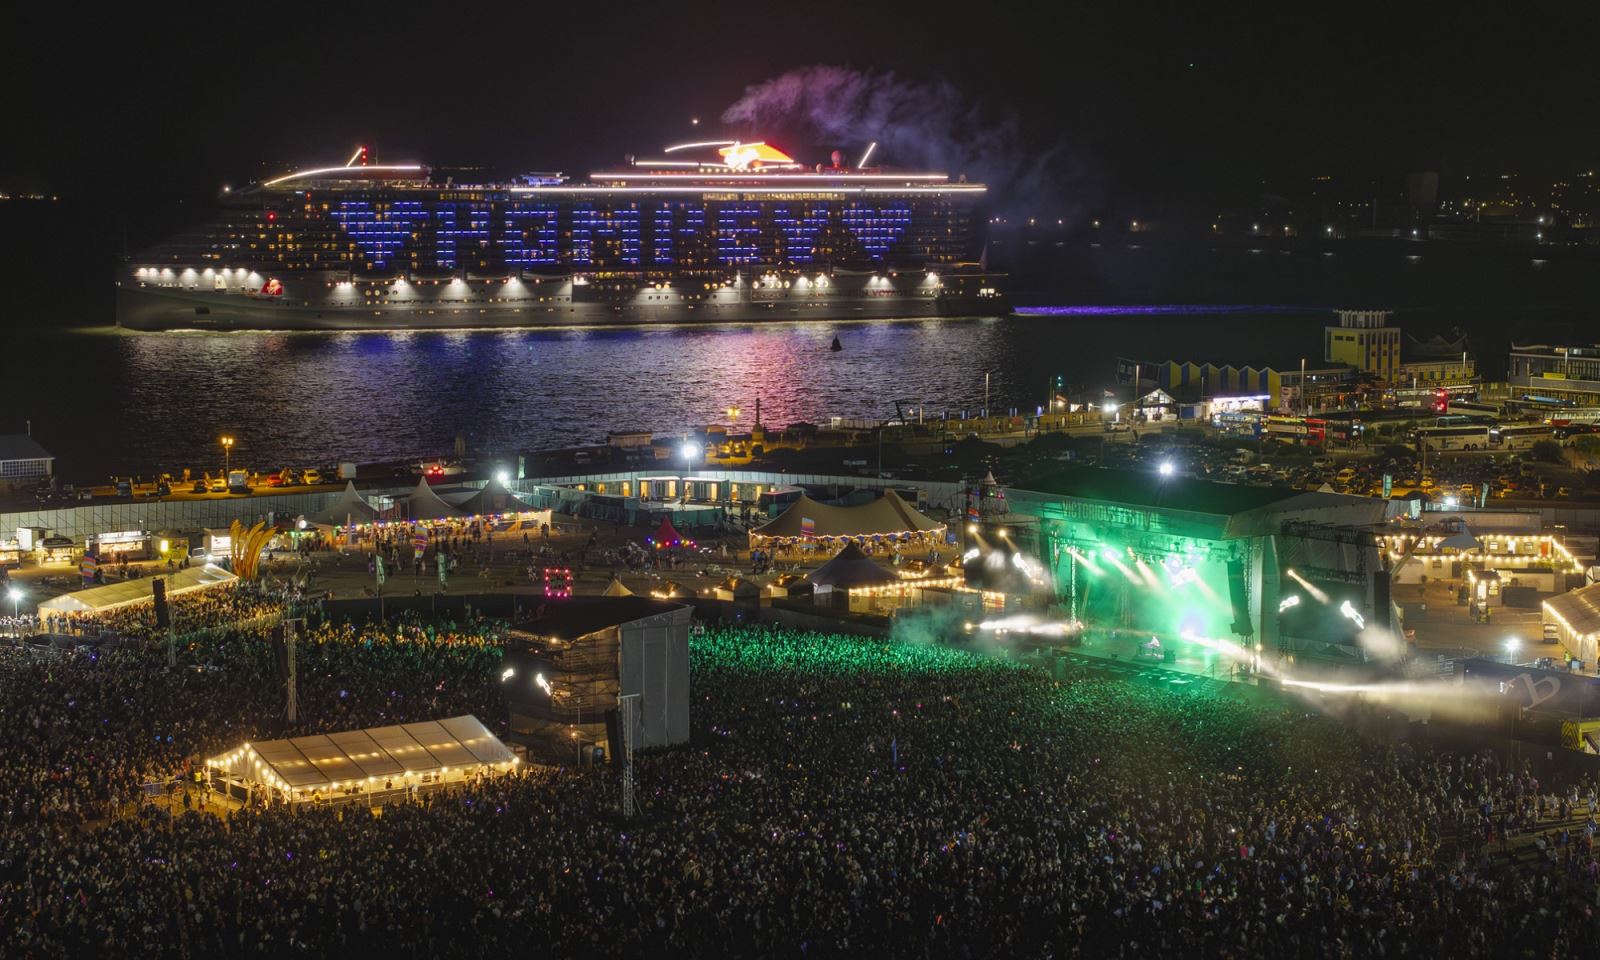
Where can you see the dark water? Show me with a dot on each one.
(119, 403)
(110, 402)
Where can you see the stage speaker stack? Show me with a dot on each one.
(158, 592)
(280, 653)
(1239, 598)
(613, 732)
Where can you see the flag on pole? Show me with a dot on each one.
(380, 570)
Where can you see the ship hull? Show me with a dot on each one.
(147, 309)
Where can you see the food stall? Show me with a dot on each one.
(122, 545)
(218, 543)
(58, 549)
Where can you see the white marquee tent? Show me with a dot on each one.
(375, 759)
(127, 592)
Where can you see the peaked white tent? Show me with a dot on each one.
(493, 499)
(888, 517)
(423, 504)
(349, 508)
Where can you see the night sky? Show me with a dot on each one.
(1141, 103)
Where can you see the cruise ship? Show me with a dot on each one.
(716, 231)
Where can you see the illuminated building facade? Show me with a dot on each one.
(1366, 340)
(712, 232)
(1568, 374)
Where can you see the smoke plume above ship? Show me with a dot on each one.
(926, 123)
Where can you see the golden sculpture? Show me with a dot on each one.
(245, 547)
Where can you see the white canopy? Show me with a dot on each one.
(126, 592)
(349, 508)
(1578, 609)
(494, 498)
(424, 504)
(452, 748)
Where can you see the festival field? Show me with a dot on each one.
(842, 797)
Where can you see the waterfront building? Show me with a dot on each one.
(1196, 382)
(1564, 373)
(1318, 388)
(1435, 372)
(23, 462)
(1366, 340)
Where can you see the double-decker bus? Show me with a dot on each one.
(1471, 436)
(1521, 436)
(1308, 431)
(1345, 428)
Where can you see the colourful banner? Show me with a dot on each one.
(808, 527)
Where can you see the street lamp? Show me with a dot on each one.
(1166, 468)
(733, 414)
(16, 598)
(227, 454)
(1513, 644)
(690, 451)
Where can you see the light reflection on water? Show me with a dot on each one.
(158, 402)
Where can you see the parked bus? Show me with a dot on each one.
(1344, 428)
(1522, 436)
(1566, 430)
(1540, 406)
(1309, 431)
(1472, 436)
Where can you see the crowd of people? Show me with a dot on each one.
(841, 797)
(87, 734)
(217, 606)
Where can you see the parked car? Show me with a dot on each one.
(199, 487)
(311, 477)
(219, 485)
